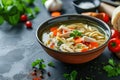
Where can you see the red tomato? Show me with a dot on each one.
(23, 17)
(114, 45)
(28, 24)
(115, 33)
(105, 17)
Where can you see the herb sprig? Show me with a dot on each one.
(39, 63)
(112, 69)
(71, 76)
(75, 33)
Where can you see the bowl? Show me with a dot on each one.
(74, 57)
(86, 5)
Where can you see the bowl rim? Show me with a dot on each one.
(75, 53)
(96, 6)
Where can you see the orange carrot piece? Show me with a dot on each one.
(55, 32)
(78, 40)
(55, 14)
(53, 28)
(52, 45)
(84, 49)
(93, 45)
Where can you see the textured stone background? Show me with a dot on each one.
(19, 47)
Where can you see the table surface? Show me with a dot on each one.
(19, 48)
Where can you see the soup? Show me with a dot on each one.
(73, 37)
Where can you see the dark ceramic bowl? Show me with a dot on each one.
(74, 57)
(86, 5)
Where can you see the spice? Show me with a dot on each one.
(49, 74)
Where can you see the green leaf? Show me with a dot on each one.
(66, 76)
(111, 62)
(108, 68)
(43, 1)
(43, 66)
(73, 75)
(29, 1)
(12, 10)
(7, 2)
(30, 13)
(14, 19)
(34, 64)
(51, 64)
(37, 10)
(1, 20)
(20, 6)
(59, 43)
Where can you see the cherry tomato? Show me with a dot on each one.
(23, 17)
(115, 33)
(105, 17)
(28, 24)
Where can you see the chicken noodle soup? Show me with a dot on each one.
(74, 37)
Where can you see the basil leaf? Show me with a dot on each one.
(13, 20)
(12, 10)
(29, 1)
(30, 13)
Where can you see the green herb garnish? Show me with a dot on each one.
(112, 68)
(71, 76)
(36, 9)
(39, 63)
(51, 64)
(75, 33)
(59, 43)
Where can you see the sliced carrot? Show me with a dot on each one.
(52, 45)
(53, 28)
(55, 14)
(55, 32)
(78, 40)
(84, 49)
(93, 45)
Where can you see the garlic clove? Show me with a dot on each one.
(53, 5)
(48, 4)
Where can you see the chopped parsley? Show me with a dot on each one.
(112, 68)
(59, 43)
(51, 64)
(39, 63)
(71, 76)
(75, 33)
